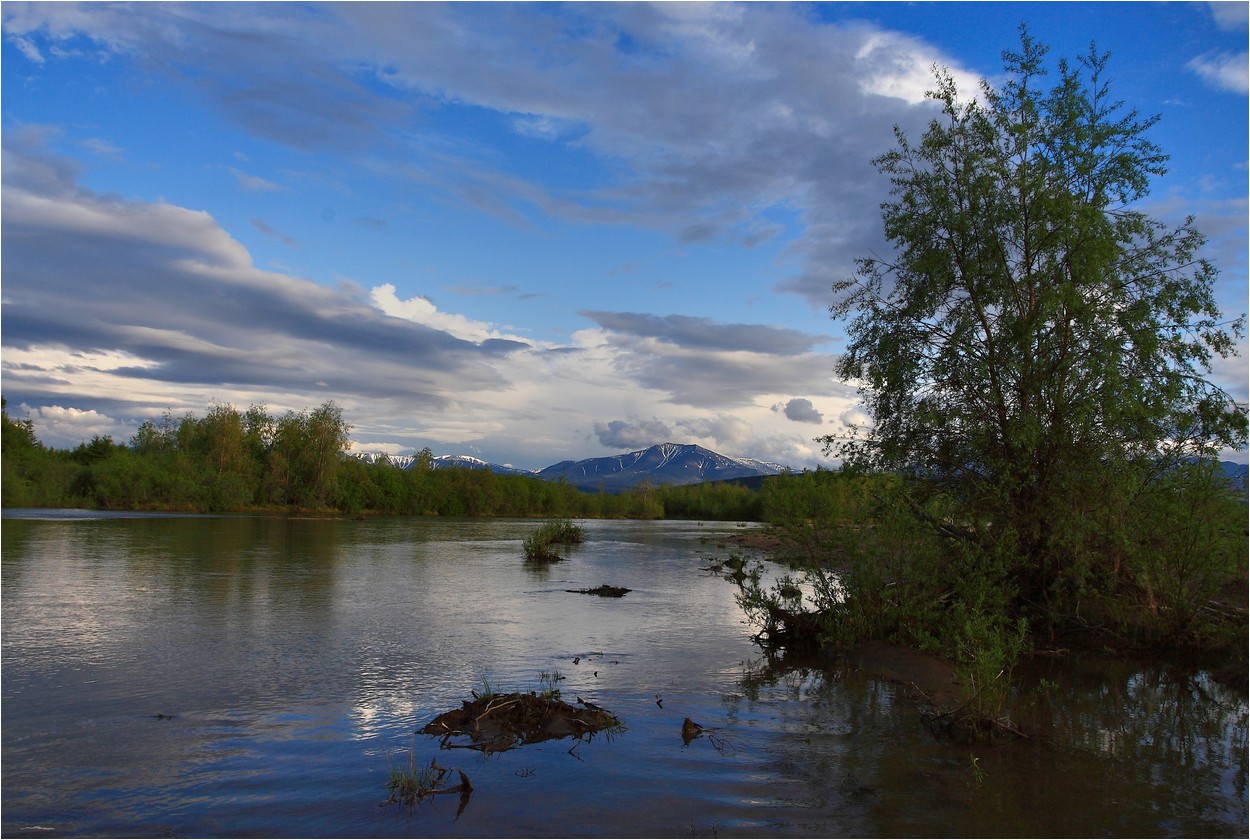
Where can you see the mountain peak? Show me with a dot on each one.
(661, 463)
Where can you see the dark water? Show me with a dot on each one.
(297, 657)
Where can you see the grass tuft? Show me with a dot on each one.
(538, 545)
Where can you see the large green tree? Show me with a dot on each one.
(1037, 348)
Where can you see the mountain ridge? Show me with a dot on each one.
(661, 463)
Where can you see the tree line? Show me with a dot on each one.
(235, 461)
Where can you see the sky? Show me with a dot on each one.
(522, 232)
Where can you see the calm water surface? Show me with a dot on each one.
(250, 676)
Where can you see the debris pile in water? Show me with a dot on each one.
(604, 591)
(497, 722)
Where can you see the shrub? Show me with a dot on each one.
(537, 546)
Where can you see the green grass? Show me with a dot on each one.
(538, 545)
(409, 783)
(550, 683)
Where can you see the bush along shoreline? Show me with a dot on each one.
(867, 568)
(1034, 359)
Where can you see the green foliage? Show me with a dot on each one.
(807, 507)
(230, 460)
(310, 448)
(1188, 542)
(722, 501)
(32, 475)
(988, 648)
(549, 682)
(538, 545)
(409, 783)
(1034, 361)
(643, 501)
(1035, 354)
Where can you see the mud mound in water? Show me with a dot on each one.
(604, 591)
(498, 722)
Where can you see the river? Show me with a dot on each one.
(261, 676)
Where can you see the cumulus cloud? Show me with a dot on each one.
(421, 310)
(383, 447)
(632, 434)
(856, 417)
(723, 432)
(801, 411)
(702, 378)
(702, 363)
(64, 427)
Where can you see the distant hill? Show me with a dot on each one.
(1238, 474)
(665, 463)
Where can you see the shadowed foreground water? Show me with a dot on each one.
(252, 676)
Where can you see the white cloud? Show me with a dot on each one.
(1230, 15)
(64, 427)
(116, 310)
(1227, 71)
(900, 66)
(28, 49)
(92, 216)
(102, 148)
(701, 121)
(386, 447)
(252, 183)
(421, 310)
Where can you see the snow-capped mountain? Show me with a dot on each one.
(665, 463)
(403, 462)
(441, 462)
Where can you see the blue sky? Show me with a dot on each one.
(525, 232)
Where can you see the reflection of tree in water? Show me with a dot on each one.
(830, 743)
(1117, 749)
(1153, 726)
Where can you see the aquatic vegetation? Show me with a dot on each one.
(409, 784)
(550, 682)
(538, 545)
